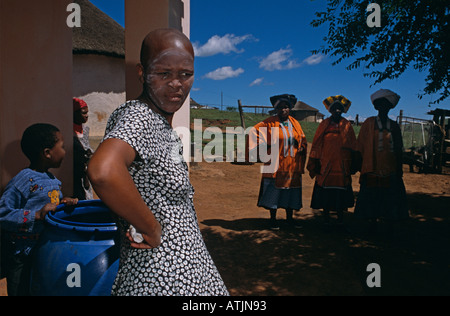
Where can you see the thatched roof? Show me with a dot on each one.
(193, 102)
(99, 34)
(302, 106)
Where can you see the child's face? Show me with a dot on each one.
(57, 153)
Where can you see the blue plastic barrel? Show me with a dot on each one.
(77, 254)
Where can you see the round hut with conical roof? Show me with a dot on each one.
(98, 65)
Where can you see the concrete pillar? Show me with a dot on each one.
(141, 17)
(35, 80)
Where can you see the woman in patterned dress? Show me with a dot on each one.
(138, 173)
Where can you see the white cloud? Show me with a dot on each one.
(257, 82)
(348, 117)
(224, 73)
(314, 59)
(221, 45)
(282, 59)
(279, 60)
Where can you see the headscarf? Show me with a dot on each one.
(288, 98)
(78, 104)
(328, 102)
(389, 95)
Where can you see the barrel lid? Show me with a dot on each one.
(86, 216)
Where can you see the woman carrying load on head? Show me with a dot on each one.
(282, 137)
(382, 191)
(330, 160)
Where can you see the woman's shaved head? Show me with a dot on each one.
(161, 39)
(166, 70)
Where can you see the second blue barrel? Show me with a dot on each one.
(78, 252)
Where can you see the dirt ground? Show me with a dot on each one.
(312, 260)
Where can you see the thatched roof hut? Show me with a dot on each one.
(304, 112)
(99, 34)
(98, 64)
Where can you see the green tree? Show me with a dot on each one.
(412, 34)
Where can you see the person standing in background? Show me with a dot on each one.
(382, 191)
(82, 150)
(281, 188)
(330, 161)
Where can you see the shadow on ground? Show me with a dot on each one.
(314, 260)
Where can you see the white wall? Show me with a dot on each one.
(100, 81)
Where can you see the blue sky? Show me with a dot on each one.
(252, 49)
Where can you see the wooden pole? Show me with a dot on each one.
(400, 120)
(241, 114)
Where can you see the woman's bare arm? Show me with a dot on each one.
(108, 173)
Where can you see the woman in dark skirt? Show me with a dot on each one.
(382, 192)
(283, 136)
(330, 160)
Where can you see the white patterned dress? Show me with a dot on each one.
(181, 265)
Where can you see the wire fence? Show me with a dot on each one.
(416, 132)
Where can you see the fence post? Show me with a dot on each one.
(241, 114)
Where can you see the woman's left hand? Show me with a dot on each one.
(141, 245)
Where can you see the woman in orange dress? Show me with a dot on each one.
(382, 192)
(330, 160)
(281, 185)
